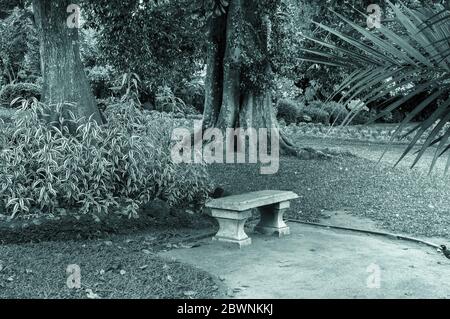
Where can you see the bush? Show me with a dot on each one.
(6, 115)
(314, 114)
(360, 113)
(362, 117)
(167, 102)
(294, 112)
(10, 92)
(19, 47)
(101, 79)
(288, 110)
(337, 112)
(117, 167)
(193, 94)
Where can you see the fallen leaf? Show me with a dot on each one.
(143, 267)
(169, 278)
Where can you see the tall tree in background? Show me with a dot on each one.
(241, 48)
(63, 74)
(161, 41)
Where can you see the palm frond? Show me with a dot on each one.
(411, 61)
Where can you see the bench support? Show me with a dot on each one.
(272, 222)
(231, 226)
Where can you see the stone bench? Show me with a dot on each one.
(233, 211)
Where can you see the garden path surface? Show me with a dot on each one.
(374, 151)
(323, 263)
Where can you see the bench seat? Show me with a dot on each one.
(233, 211)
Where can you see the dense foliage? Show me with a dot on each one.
(293, 111)
(408, 66)
(315, 80)
(163, 43)
(117, 167)
(19, 48)
(11, 93)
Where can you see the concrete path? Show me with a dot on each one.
(373, 152)
(322, 263)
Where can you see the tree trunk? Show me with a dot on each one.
(65, 81)
(228, 102)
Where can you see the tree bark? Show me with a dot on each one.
(229, 103)
(214, 75)
(65, 81)
(231, 65)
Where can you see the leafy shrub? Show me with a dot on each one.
(284, 88)
(359, 112)
(19, 47)
(128, 87)
(6, 115)
(193, 94)
(337, 112)
(294, 112)
(393, 117)
(10, 92)
(101, 79)
(288, 110)
(167, 102)
(314, 114)
(117, 167)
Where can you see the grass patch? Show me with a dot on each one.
(110, 269)
(117, 256)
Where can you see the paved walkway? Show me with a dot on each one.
(373, 152)
(322, 263)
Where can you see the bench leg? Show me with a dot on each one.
(272, 222)
(231, 227)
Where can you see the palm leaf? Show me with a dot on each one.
(388, 61)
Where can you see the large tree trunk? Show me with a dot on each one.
(229, 103)
(64, 78)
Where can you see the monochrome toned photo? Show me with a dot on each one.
(224, 154)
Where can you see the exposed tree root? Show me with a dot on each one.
(286, 148)
(308, 153)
